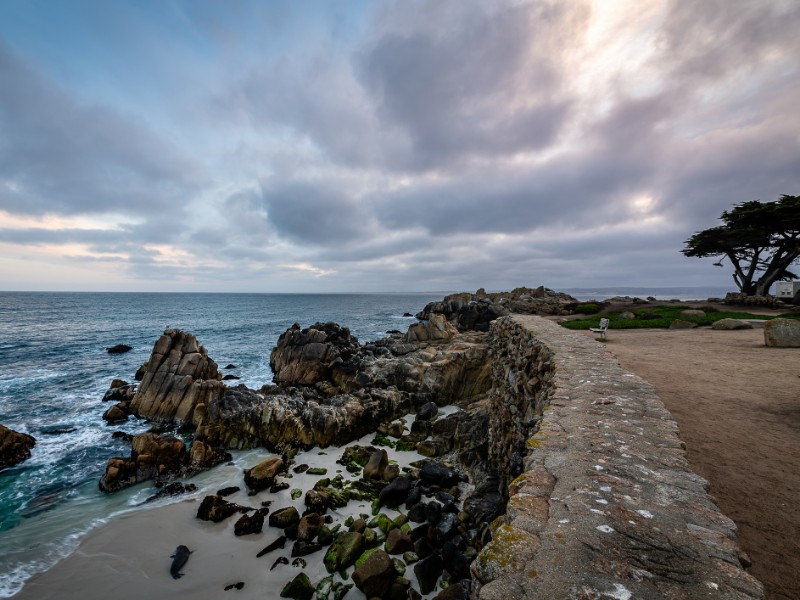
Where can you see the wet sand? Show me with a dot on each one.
(737, 404)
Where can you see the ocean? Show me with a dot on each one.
(54, 369)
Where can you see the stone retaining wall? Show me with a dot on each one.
(606, 505)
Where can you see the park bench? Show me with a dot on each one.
(602, 329)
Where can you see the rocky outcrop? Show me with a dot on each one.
(158, 457)
(14, 447)
(782, 333)
(178, 377)
(309, 356)
(474, 312)
(274, 418)
(436, 328)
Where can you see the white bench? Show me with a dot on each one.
(602, 329)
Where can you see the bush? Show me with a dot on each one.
(588, 308)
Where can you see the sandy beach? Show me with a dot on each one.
(737, 403)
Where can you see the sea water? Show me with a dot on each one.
(54, 369)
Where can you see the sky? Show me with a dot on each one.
(386, 145)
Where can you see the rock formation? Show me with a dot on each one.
(782, 333)
(14, 447)
(177, 378)
(475, 311)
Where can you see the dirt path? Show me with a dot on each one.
(737, 404)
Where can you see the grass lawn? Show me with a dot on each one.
(660, 317)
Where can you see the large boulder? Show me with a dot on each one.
(178, 377)
(14, 447)
(375, 575)
(782, 333)
(159, 457)
(730, 325)
(264, 473)
(436, 328)
(308, 356)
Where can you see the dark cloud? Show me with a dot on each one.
(59, 155)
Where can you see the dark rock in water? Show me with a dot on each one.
(229, 366)
(300, 469)
(279, 487)
(447, 525)
(299, 588)
(263, 475)
(152, 457)
(249, 524)
(416, 514)
(227, 491)
(116, 414)
(14, 447)
(394, 494)
(433, 512)
(119, 349)
(285, 517)
(407, 314)
(281, 560)
(344, 551)
(58, 430)
(278, 543)
(230, 377)
(122, 435)
(299, 562)
(434, 473)
(375, 575)
(428, 571)
(119, 390)
(216, 509)
(179, 377)
(423, 548)
(176, 488)
(238, 585)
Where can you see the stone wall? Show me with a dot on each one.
(605, 505)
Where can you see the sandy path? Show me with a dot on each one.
(737, 404)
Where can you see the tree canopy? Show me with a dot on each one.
(761, 240)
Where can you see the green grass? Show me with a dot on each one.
(662, 317)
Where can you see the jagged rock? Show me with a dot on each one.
(14, 447)
(119, 349)
(227, 491)
(179, 375)
(436, 328)
(264, 473)
(203, 455)
(455, 563)
(398, 542)
(390, 473)
(307, 356)
(428, 571)
(375, 575)
(427, 412)
(249, 524)
(116, 413)
(274, 418)
(216, 509)
(438, 474)
(280, 542)
(394, 494)
(285, 517)
(309, 526)
(782, 333)
(344, 551)
(119, 390)
(299, 588)
(730, 325)
(152, 456)
(176, 488)
(377, 463)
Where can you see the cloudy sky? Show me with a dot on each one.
(407, 145)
